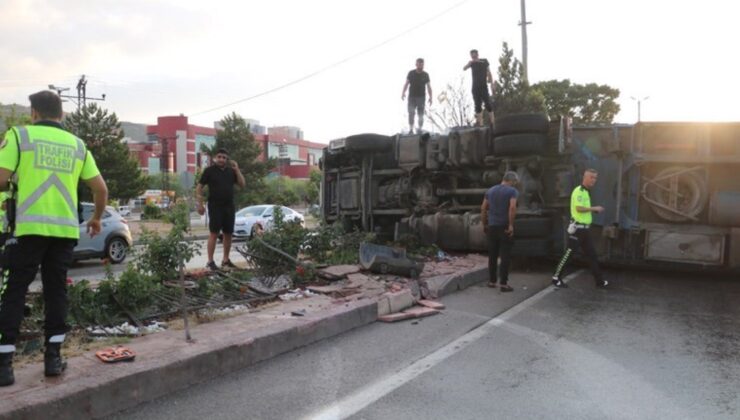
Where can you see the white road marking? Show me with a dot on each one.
(352, 404)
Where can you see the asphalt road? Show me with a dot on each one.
(654, 346)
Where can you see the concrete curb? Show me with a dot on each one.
(394, 302)
(91, 390)
(450, 283)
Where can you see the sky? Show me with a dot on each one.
(349, 59)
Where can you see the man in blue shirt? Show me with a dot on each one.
(497, 216)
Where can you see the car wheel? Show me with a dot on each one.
(116, 250)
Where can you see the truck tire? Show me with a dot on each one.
(519, 144)
(530, 247)
(368, 143)
(522, 123)
(532, 227)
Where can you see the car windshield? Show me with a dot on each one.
(251, 211)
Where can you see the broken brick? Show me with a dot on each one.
(431, 304)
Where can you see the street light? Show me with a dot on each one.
(639, 106)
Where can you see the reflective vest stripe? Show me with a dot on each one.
(51, 220)
(27, 146)
(52, 181)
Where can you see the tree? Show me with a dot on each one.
(314, 187)
(102, 135)
(455, 109)
(513, 94)
(235, 137)
(9, 117)
(590, 103)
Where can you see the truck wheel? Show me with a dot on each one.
(519, 144)
(116, 250)
(532, 227)
(368, 143)
(522, 123)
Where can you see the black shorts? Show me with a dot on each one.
(481, 98)
(221, 217)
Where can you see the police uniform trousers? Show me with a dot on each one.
(24, 256)
(582, 238)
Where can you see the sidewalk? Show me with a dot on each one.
(166, 363)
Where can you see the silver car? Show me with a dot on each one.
(251, 219)
(113, 241)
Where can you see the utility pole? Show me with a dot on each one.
(81, 97)
(523, 23)
(639, 106)
(164, 162)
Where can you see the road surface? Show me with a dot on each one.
(654, 346)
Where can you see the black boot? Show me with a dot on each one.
(53, 363)
(6, 369)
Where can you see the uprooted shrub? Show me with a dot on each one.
(332, 244)
(275, 252)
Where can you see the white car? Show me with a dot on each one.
(260, 217)
(124, 210)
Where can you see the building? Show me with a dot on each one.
(174, 145)
(181, 143)
(296, 157)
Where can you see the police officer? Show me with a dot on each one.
(46, 164)
(579, 230)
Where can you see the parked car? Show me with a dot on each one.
(253, 218)
(124, 211)
(113, 241)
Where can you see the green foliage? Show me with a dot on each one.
(590, 103)
(161, 256)
(90, 306)
(513, 94)
(10, 116)
(135, 291)
(166, 182)
(287, 237)
(151, 212)
(284, 191)
(314, 187)
(102, 134)
(332, 244)
(179, 216)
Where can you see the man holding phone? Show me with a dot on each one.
(220, 178)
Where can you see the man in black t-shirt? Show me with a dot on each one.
(417, 79)
(220, 179)
(481, 72)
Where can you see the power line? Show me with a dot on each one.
(340, 62)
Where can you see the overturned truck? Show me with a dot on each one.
(671, 190)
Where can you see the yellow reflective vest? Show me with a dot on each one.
(50, 163)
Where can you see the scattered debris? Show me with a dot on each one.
(126, 329)
(431, 304)
(416, 312)
(296, 294)
(302, 312)
(384, 259)
(338, 272)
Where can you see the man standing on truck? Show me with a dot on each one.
(417, 79)
(481, 73)
(497, 216)
(579, 230)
